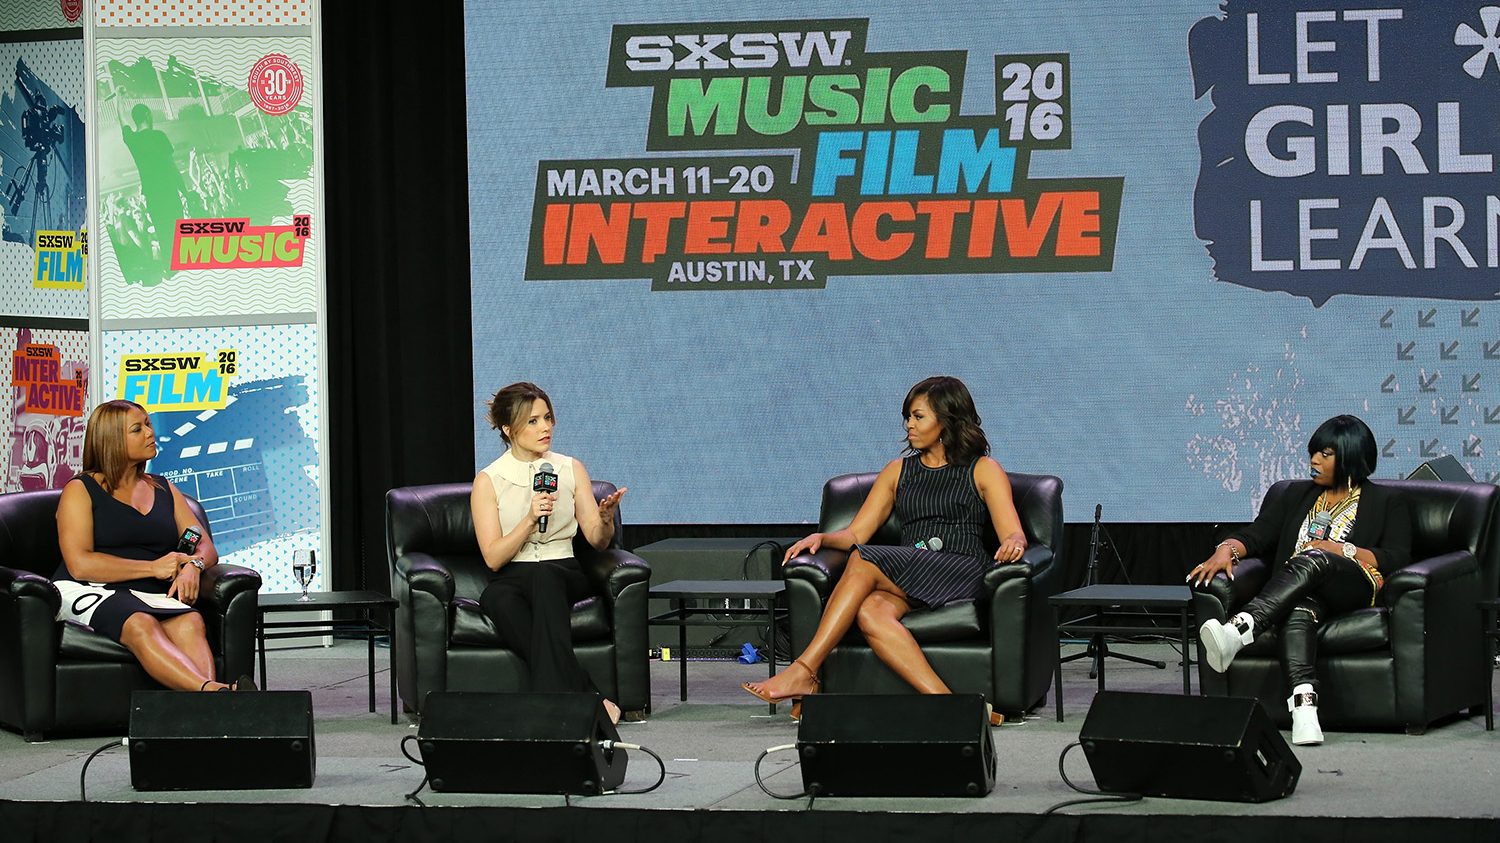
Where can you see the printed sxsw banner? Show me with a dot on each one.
(893, 172)
(47, 407)
(43, 207)
(206, 177)
(1160, 243)
(207, 258)
(236, 414)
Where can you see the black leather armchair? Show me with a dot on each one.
(445, 642)
(57, 676)
(1003, 645)
(1411, 659)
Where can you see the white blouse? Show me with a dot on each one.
(513, 490)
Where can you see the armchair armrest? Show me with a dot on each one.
(612, 570)
(1436, 571)
(222, 583)
(1250, 576)
(19, 584)
(426, 574)
(821, 570)
(1036, 561)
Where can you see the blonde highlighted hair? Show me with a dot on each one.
(104, 451)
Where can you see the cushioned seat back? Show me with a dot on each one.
(1449, 516)
(28, 532)
(436, 520)
(1038, 499)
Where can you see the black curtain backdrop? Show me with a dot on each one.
(396, 189)
(399, 347)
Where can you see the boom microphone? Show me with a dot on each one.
(544, 481)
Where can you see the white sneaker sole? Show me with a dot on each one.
(1219, 645)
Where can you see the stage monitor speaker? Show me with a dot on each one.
(1220, 748)
(225, 740)
(1443, 468)
(896, 745)
(519, 743)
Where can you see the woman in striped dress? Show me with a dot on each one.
(942, 491)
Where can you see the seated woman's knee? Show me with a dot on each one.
(874, 615)
(191, 622)
(137, 629)
(1313, 562)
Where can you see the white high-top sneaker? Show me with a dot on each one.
(1221, 641)
(1303, 703)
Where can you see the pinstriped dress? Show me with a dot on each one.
(937, 503)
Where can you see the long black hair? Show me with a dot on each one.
(963, 438)
(1353, 446)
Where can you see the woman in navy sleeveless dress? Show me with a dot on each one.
(942, 491)
(118, 529)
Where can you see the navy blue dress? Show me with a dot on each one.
(942, 504)
(121, 530)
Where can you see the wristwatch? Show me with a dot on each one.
(198, 563)
(1350, 549)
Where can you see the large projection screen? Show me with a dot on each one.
(1160, 245)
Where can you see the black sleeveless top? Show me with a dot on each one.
(940, 502)
(121, 530)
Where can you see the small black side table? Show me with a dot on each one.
(367, 602)
(1117, 611)
(683, 616)
(1490, 611)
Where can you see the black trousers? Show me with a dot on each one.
(1308, 590)
(530, 604)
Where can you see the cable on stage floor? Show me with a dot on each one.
(660, 765)
(412, 797)
(1098, 795)
(769, 792)
(82, 793)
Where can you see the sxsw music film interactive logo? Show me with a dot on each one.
(178, 380)
(236, 244)
(275, 84)
(37, 370)
(885, 176)
(1351, 149)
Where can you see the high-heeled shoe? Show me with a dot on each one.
(765, 697)
(996, 718)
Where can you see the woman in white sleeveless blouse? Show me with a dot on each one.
(536, 580)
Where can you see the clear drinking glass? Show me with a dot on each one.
(304, 566)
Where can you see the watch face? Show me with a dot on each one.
(1349, 549)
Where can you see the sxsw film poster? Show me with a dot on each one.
(235, 412)
(1346, 149)
(206, 176)
(43, 200)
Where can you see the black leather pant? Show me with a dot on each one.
(1309, 589)
(531, 605)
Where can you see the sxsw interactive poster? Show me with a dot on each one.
(207, 259)
(1161, 243)
(43, 243)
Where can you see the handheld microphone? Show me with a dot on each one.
(189, 542)
(1318, 526)
(544, 481)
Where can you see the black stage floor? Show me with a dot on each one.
(1357, 786)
